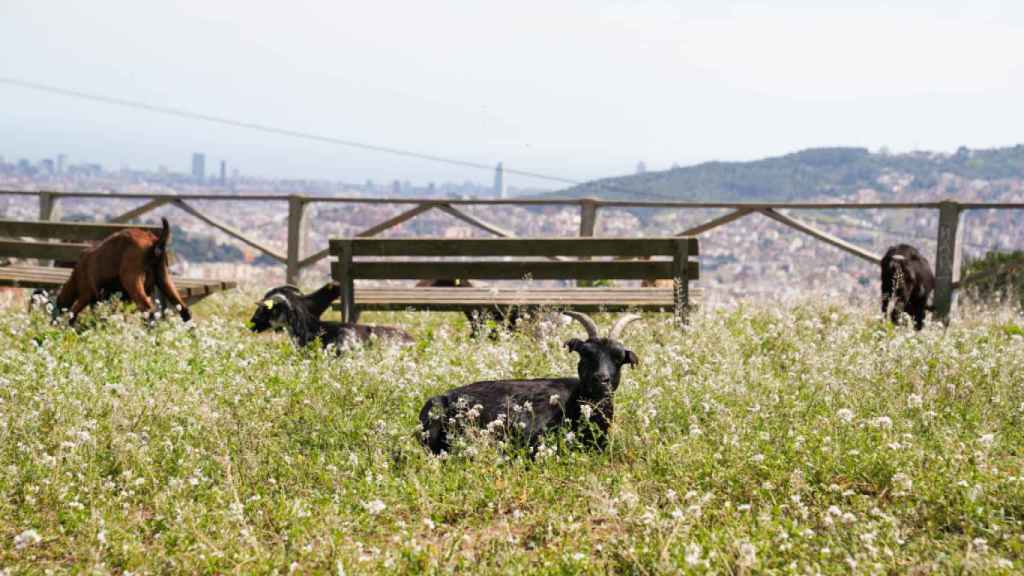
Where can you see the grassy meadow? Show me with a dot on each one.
(794, 439)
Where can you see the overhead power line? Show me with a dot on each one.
(181, 113)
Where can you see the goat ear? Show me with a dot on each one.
(574, 344)
(631, 358)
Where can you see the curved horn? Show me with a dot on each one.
(621, 324)
(587, 322)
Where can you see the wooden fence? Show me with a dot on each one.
(948, 235)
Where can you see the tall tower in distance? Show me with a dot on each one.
(499, 181)
(199, 166)
(223, 172)
(62, 163)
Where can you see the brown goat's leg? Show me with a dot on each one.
(136, 288)
(76, 308)
(163, 279)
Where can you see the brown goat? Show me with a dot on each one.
(134, 260)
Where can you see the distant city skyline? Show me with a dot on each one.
(575, 89)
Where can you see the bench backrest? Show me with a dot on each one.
(73, 238)
(680, 250)
(519, 258)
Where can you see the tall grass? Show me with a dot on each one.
(802, 439)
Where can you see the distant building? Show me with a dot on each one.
(62, 163)
(499, 181)
(46, 166)
(641, 167)
(199, 166)
(223, 172)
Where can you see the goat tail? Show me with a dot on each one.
(163, 274)
(160, 248)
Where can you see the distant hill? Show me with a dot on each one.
(812, 173)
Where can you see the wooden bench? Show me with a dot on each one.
(70, 239)
(514, 259)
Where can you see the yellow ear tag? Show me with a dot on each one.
(269, 304)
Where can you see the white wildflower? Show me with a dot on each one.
(845, 415)
(980, 545)
(374, 507)
(748, 554)
(915, 401)
(987, 440)
(554, 400)
(757, 458)
(882, 422)
(693, 553)
(26, 538)
(903, 482)
(586, 410)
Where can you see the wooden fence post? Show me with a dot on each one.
(48, 209)
(588, 219)
(947, 258)
(296, 236)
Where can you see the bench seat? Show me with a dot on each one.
(462, 299)
(46, 277)
(72, 238)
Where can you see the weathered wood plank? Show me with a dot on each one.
(680, 281)
(456, 299)
(297, 232)
(63, 251)
(80, 231)
(473, 220)
(947, 259)
(540, 247)
(395, 221)
(31, 277)
(715, 223)
(822, 235)
(514, 270)
(231, 232)
(139, 211)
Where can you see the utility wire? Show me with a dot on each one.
(181, 113)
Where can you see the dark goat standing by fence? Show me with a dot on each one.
(907, 283)
(288, 308)
(526, 409)
(133, 261)
(477, 317)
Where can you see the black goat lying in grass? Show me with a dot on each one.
(288, 308)
(525, 409)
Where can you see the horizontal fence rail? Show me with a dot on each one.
(947, 258)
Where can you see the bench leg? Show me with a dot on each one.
(680, 281)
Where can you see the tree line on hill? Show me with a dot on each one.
(816, 172)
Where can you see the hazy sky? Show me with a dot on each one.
(579, 89)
